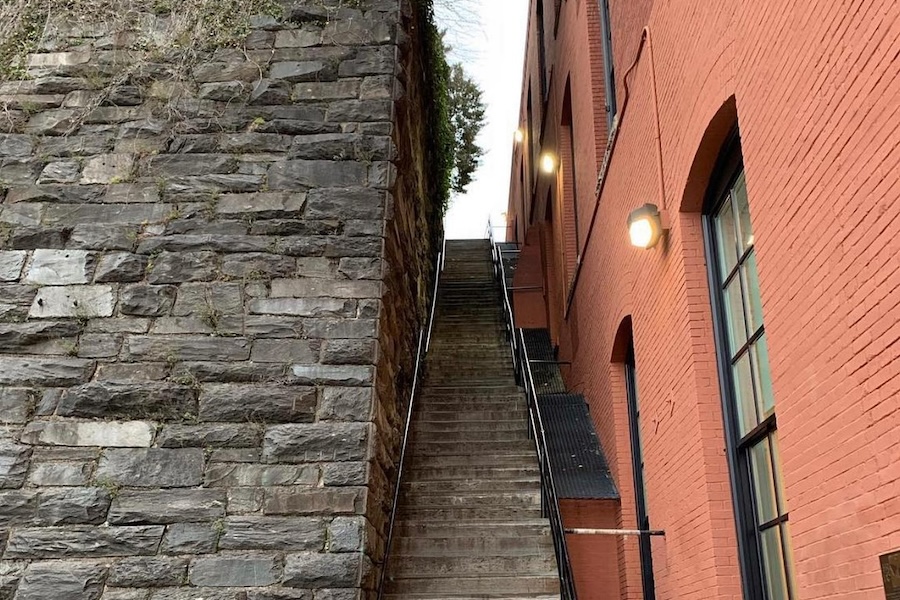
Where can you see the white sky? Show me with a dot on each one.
(492, 52)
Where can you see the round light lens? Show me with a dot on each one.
(548, 163)
(641, 233)
(519, 135)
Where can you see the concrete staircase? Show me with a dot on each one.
(469, 522)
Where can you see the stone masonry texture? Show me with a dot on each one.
(210, 291)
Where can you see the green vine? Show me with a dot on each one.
(440, 126)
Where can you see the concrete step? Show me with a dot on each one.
(470, 447)
(426, 413)
(474, 500)
(518, 435)
(469, 513)
(468, 597)
(507, 585)
(471, 485)
(505, 459)
(527, 468)
(472, 566)
(439, 428)
(498, 544)
(489, 530)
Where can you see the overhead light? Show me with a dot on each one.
(519, 135)
(645, 226)
(548, 163)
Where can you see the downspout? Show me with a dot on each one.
(610, 147)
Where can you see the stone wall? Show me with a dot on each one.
(210, 289)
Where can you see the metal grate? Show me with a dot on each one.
(579, 467)
(547, 377)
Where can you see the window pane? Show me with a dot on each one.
(739, 193)
(773, 564)
(726, 239)
(752, 300)
(763, 482)
(762, 375)
(779, 482)
(734, 315)
(743, 391)
(788, 551)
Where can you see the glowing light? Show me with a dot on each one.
(645, 226)
(519, 135)
(548, 163)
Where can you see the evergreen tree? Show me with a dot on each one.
(466, 108)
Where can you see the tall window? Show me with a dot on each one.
(609, 71)
(542, 50)
(749, 403)
(640, 490)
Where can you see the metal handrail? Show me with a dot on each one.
(421, 352)
(549, 498)
(524, 375)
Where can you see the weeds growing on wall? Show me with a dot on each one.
(177, 29)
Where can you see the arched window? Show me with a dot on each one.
(748, 401)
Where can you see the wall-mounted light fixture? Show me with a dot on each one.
(519, 135)
(548, 163)
(646, 225)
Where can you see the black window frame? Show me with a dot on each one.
(637, 467)
(609, 68)
(728, 170)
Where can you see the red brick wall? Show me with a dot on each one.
(815, 94)
(593, 557)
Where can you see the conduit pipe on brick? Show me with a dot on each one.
(607, 158)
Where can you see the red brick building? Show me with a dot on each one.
(755, 349)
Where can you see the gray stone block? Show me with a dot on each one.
(74, 506)
(361, 268)
(154, 467)
(260, 403)
(120, 267)
(195, 593)
(369, 61)
(326, 90)
(225, 91)
(316, 571)
(297, 71)
(21, 336)
(284, 350)
(44, 371)
(345, 404)
(148, 572)
(11, 263)
(16, 145)
(147, 300)
(60, 474)
(273, 533)
(103, 237)
(16, 405)
(190, 538)
(180, 267)
(63, 580)
(304, 174)
(270, 91)
(83, 541)
(304, 307)
(60, 267)
(345, 534)
(117, 399)
(341, 328)
(251, 475)
(258, 266)
(13, 464)
(245, 500)
(209, 300)
(349, 352)
(172, 348)
(216, 435)
(345, 474)
(111, 593)
(131, 434)
(316, 442)
(333, 374)
(324, 288)
(63, 171)
(246, 570)
(135, 507)
(108, 168)
(85, 301)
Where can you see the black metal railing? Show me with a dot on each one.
(421, 352)
(525, 378)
